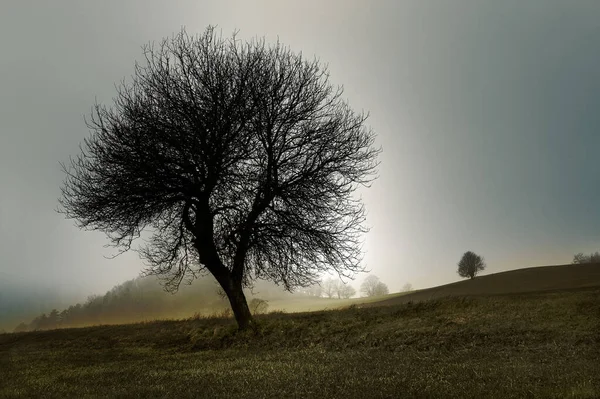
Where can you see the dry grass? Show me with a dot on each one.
(512, 346)
(533, 279)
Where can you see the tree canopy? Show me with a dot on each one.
(233, 158)
(580, 258)
(470, 265)
(372, 286)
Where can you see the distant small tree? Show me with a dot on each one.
(580, 258)
(470, 265)
(258, 306)
(330, 287)
(407, 287)
(373, 287)
(345, 291)
(315, 290)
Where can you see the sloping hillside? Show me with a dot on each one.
(534, 279)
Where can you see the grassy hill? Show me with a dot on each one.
(143, 299)
(533, 279)
(542, 344)
(520, 281)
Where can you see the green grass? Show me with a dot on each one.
(529, 345)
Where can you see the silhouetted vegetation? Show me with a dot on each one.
(334, 288)
(133, 301)
(314, 290)
(345, 291)
(239, 159)
(371, 287)
(143, 299)
(470, 265)
(20, 302)
(580, 258)
(258, 306)
(329, 287)
(22, 327)
(407, 287)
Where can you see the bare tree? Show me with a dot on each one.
(315, 290)
(236, 159)
(371, 286)
(330, 287)
(407, 287)
(258, 306)
(580, 258)
(345, 291)
(470, 265)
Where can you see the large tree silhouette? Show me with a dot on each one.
(238, 159)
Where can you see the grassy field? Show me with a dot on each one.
(297, 303)
(520, 281)
(532, 279)
(543, 345)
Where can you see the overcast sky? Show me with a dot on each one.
(487, 112)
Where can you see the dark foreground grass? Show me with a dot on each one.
(535, 345)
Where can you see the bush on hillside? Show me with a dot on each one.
(258, 306)
(580, 258)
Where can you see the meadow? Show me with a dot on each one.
(538, 345)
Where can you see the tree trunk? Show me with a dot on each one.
(231, 285)
(238, 303)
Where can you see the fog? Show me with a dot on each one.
(486, 112)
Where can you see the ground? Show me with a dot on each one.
(542, 344)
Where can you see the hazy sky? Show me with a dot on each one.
(487, 112)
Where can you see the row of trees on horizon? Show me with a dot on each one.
(334, 288)
(580, 258)
(144, 299)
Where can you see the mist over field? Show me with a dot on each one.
(328, 199)
(144, 299)
(485, 111)
(20, 303)
(506, 339)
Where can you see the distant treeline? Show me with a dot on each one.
(19, 301)
(580, 258)
(144, 299)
